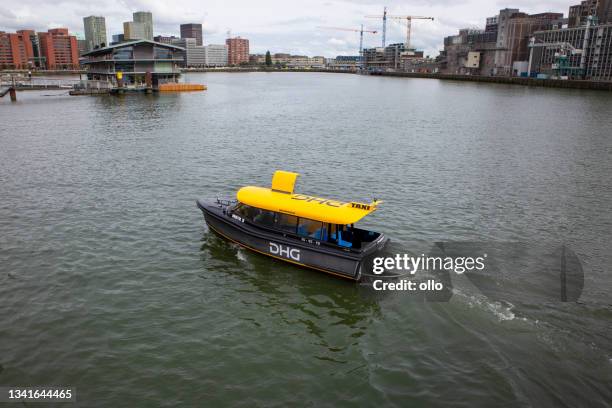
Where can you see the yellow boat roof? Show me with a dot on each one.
(281, 198)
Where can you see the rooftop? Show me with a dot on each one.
(130, 43)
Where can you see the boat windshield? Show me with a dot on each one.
(346, 236)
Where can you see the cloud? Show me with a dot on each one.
(276, 25)
(336, 41)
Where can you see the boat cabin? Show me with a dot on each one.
(311, 219)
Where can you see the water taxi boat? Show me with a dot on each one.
(309, 231)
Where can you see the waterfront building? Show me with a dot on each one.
(59, 49)
(237, 50)
(423, 65)
(344, 62)
(574, 52)
(16, 49)
(194, 55)
(502, 48)
(95, 32)
(192, 30)
(518, 44)
(133, 31)
(256, 59)
(146, 19)
(135, 60)
(215, 55)
(290, 61)
(513, 45)
(389, 58)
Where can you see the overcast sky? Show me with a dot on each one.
(276, 25)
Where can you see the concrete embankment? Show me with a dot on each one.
(547, 83)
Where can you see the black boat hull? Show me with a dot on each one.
(343, 263)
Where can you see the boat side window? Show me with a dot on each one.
(286, 222)
(312, 229)
(264, 218)
(246, 211)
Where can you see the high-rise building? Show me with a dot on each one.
(59, 49)
(95, 32)
(133, 31)
(215, 55)
(237, 50)
(15, 50)
(578, 14)
(192, 30)
(146, 19)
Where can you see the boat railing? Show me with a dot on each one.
(226, 203)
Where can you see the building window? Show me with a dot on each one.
(162, 53)
(124, 67)
(125, 53)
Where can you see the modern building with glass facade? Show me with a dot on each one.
(134, 61)
(146, 19)
(95, 32)
(215, 55)
(133, 31)
(192, 30)
(194, 55)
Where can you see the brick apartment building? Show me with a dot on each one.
(237, 50)
(25, 49)
(59, 49)
(16, 50)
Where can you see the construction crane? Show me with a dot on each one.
(360, 31)
(408, 24)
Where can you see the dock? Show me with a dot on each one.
(77, 87)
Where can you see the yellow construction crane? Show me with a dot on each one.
(408, 23)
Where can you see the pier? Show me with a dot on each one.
(12, 84)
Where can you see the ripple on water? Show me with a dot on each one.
(110, 282)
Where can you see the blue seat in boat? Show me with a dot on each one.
(342, 242)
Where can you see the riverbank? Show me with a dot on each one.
(547, 83)
(43, 73)
(258, 69)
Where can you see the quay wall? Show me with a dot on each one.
(547, 83)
